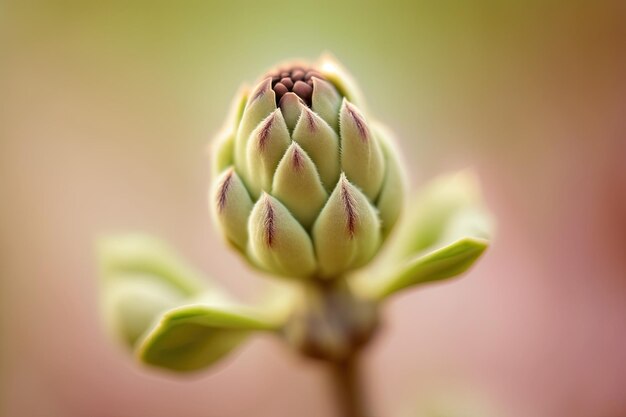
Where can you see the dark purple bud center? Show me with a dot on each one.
(298, 80)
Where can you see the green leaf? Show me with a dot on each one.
(440, 264)
(158, 305)
(446, 209)
(141, 278)
(128, 255)
(196, 336)
(129, 306)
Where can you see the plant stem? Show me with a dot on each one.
(346, 386)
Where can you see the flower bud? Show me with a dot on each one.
(305, 168)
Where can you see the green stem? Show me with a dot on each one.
(347, 389)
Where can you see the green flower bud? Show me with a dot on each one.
(305, 183)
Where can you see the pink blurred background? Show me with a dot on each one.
(105, 113)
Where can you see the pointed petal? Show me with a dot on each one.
(259, 105)
(222, 149)
(231, 205)
(362, 159)
(326, 102)
(335, 72)
(347, 232)
(267, 145)
(391, 200)
(297, 185)
(291, 107)
(321, 143)
(222, 152)
(236, 108)
(278, 241)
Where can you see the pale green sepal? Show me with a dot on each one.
(261, 102)
(321, 143)
(278, 241)
(132, 302)
(446, 262)
(334, 72)
(297, 185)
(222, 152)
(143, 255)
(291, 107)
(433, 212)
(231, 205)
(362, 158)
(267, 145)
(391, 201)
(237, 107)
(222, 149)
(326, 102)
(347, 232)
(195, 336)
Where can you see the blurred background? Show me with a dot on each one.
(106, 109)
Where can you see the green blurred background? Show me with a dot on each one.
(106, 110)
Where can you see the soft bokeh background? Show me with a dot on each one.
(105, 112)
